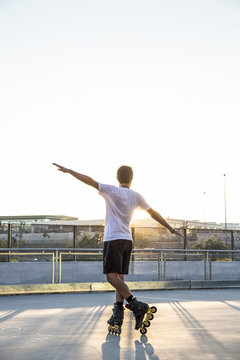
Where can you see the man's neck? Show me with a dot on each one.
(124, 185)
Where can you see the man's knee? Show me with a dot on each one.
(112, 278)
(121, 277)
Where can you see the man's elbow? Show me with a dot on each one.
(152, 213)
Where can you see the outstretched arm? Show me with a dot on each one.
(156, 216)
(84, 178)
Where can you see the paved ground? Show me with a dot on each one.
(190, 324)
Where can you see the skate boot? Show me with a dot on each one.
(116, 320)
(143, 314)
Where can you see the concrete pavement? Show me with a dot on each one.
(189, 324)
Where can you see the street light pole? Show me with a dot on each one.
(225, 201)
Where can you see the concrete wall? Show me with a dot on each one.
(25, 273)
(89, 271)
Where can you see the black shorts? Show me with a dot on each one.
(116, 256)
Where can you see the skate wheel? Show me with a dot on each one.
(150, 317)
(119, 331)
(143, 330)
(153, 309)
(147, 324)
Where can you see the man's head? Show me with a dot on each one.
(125, 175)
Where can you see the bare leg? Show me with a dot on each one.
(119, 298)
(117, 281)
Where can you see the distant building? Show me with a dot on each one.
(148, 222)
(29, 219)
(190, 224)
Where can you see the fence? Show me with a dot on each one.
(29, 266)
(76, 236)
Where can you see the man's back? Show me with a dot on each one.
(120, 205)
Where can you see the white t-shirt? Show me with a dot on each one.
(120, 205)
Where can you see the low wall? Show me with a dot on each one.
(25, 273)
(103, 287)
(88, 271)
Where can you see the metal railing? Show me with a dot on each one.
(161, 256)
(75, 253)
(11, 252)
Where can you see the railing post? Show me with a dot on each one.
(60, 268)
(164, 274)
(9, 235)
(9, 238)
(232, 243)
(205, 267)
(53, 266)
(185, 243)
(56, 267)
(210, 268)
(159, 274)
(74, 240)
(207, 263)
(162, 266)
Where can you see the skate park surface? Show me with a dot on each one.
(189, 324)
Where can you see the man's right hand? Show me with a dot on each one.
(178, 233)
(61, 168)
(84, 178)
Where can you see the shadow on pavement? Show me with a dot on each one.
(111, 347)
(143, 350)
(202, 336)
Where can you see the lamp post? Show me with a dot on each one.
(225, 201)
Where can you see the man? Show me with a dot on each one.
(120, 205)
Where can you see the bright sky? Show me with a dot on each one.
(94, 85)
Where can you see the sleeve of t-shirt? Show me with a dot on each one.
(142, 204)
(106, 189)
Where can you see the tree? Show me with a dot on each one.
(212, 244)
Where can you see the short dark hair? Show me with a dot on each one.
(125, 174)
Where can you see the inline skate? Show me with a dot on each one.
(143, 314)
(116, 320)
